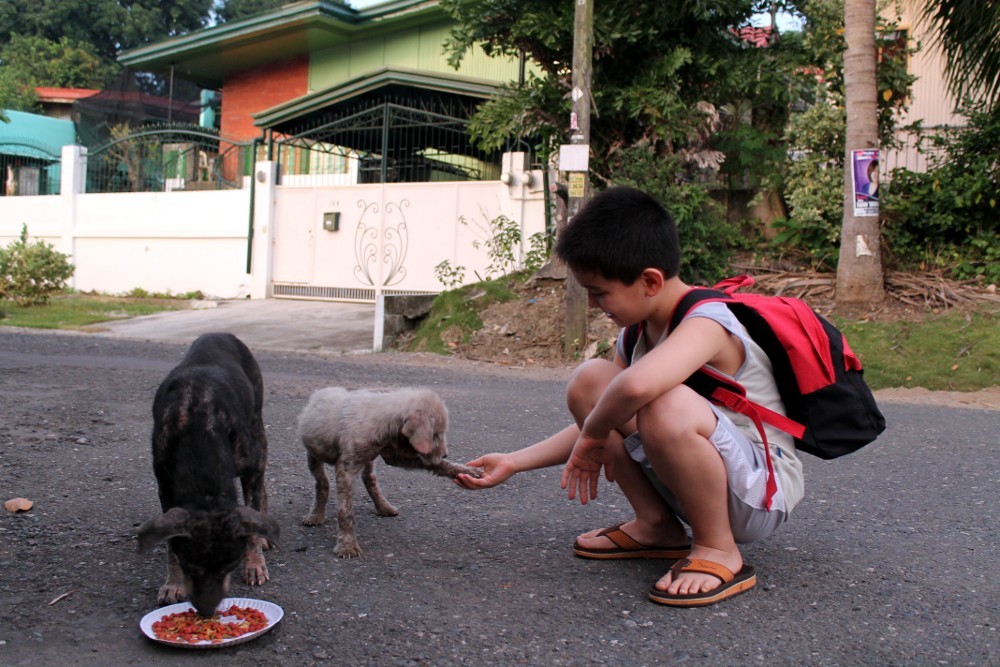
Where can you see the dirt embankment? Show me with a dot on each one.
(528, 332)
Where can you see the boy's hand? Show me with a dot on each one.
(583, 469)
(497, 468)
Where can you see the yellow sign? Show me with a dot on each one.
(577, 184)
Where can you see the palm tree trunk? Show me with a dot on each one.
(860, 277)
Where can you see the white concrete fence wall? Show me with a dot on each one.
(180, 242)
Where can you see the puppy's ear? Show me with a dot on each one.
(173, 523)
(418, 430)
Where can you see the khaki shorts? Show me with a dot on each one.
(746, 471)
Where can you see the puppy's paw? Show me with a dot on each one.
(386, 510)
(171, 593)
(313, 519)
(348, 549)
(472, 472)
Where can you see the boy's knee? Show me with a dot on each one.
(587, 383)
(677, 412)
(591, 376)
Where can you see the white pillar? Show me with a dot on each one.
(379, 329)
(72, 182)
(265, 175)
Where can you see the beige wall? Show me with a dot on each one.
(391, 237)
(930, 100)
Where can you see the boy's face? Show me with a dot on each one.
(623, 304)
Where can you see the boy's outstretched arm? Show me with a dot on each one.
(499, 467)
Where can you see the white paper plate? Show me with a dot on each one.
(273, 612)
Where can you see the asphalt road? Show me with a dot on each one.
(888, 560)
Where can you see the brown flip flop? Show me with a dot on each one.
(626, 547)
(732, 583)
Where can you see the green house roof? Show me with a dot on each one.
(206, 56)
(32, 135)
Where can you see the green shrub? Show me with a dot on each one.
(948, 217)
(814, 186)
(31, 273)
(503, 247)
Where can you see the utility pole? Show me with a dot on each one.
(575, 159)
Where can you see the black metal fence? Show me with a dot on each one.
(169, 158)
(379, 141)
(29, 168)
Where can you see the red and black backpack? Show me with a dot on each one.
(829, 408)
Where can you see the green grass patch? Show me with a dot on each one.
(78, 311)
(454, 315)
(954, 352)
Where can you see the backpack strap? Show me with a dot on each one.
(738, 402)
(689, 300)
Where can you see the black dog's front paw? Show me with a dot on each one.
(171, 593)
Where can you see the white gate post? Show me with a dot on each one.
(379, 330)
(72, 181)
(265, 175)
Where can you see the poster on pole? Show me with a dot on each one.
(865, 179)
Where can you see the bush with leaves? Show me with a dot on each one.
(948, 217)
(707, 238)
(503, 247)
(31, 273)
(814, 186)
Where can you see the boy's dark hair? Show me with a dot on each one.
(620, 233)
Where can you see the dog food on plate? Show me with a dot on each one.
(189, 626)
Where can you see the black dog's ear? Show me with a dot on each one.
(256, 523)
(173, 523)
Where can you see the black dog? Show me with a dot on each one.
(207, 430)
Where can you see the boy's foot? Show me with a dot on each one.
(730, 583)
(615, 543)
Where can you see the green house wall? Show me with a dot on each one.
(419, 48)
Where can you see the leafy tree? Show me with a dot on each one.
(814, 184)
(968, 33)
(707, 238)
(234, 10)
(815, 136)
(110, 26)
(661, 70)
(27, 62)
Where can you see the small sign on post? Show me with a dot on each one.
(574, 157)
